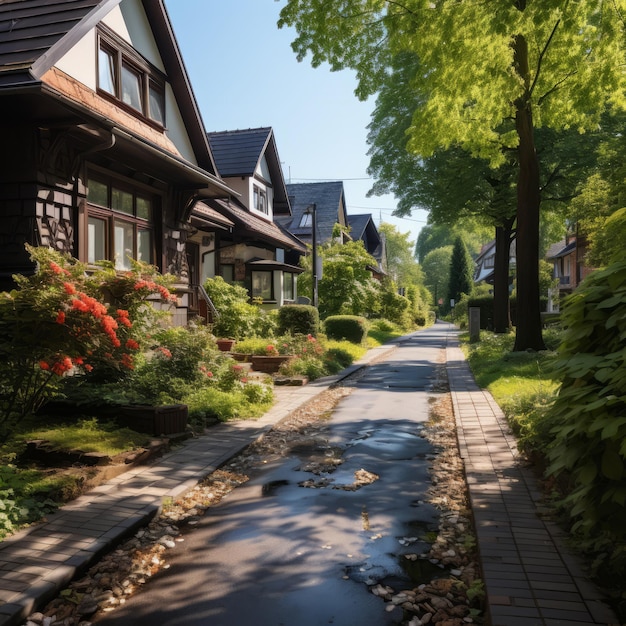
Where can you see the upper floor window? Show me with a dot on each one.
(119, 222)
(126, 76)
(260, 199)
(306, 221)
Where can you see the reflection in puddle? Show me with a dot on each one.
(270, 488)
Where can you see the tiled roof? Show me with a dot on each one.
(237, 152)
(329, 200)
(30, 28)
(255, 227)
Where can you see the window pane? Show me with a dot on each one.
(262, 285)
(124, 236)
(106, 70)
(97, 192)
(122, 201)
(288, 286)
(157, 104)
(144, 245)
(144, 208)
(306, 220)
(131, 87)
(96, 240)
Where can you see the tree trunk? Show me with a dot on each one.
(501, 309)
(528, 323)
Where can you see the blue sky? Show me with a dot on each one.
(245, 75)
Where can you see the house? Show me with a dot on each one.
(105, 155)
(362, 228)
(254, 251)
(485, 262)
(568, 261)
(329, 201)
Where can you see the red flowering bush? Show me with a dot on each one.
(63, 320)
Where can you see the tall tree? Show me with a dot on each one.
(436, 268)
(461, 271)
(401, 264)
(489, 73)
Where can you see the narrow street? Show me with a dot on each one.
(306, 538)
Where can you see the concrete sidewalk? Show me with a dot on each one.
(529, 576)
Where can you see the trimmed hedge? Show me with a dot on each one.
(351, 328)
(298, 319)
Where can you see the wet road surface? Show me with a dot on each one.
(300, 543)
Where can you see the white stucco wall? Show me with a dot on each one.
(128, 20)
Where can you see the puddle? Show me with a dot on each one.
(268, 489)
(420, 570)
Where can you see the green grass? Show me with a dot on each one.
(521, 383)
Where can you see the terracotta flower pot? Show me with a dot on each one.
(225, 345)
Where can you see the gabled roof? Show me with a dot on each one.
(329, 200)
(362, 227)
(36, 34)
(237, 153)
(561, 249)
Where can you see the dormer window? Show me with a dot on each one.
(306, 221)
(126, 76)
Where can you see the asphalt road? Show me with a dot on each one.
(278, 553)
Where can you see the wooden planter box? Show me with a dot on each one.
(167, 419)
(269, 364)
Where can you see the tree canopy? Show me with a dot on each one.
(488, 74)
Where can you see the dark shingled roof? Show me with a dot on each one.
(329, 200)
(30, 29)
(256, 227)
(237, 152)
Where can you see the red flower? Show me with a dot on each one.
(127, 361)
(60, 318)
(44, 366)
(69, 288)
(165, 352)
(209, 374)
(55, 268)
(62, 366)
(88, 367)
(131, 344)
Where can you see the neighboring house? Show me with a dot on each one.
(254, 251)
(486, 260)
(104, 153)
(362, 228)
(330, 209)
(568, 262)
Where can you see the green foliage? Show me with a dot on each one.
(349, 327)
(237, 317)
(461, 271)
(62, 320)
(297, 319)
(213, 403)
(18, 510)
(347, 286)
(589, 414)
(395, 307)
(436, 266)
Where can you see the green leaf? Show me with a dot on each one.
(612, 465)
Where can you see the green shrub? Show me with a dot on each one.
(350, 327)
(237, 318)
(589, 414)
(298, 319)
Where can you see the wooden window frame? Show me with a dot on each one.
(111, 216)
(151, 80)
